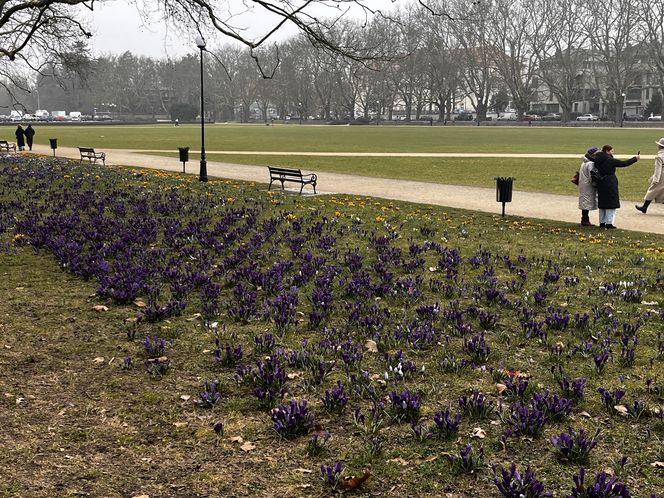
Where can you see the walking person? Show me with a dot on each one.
(20, 137)
(656, 189)
(608, 196)
(29, 135)
(587, 192)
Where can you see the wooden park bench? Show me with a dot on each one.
(291, 175)
(92, 156)
(5, 145)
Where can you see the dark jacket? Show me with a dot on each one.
(20, 136)
(608, 196)
(29, 134)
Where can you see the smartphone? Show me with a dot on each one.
(638, 153)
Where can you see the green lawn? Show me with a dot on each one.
(545, 175)
(532, 175)
(351, 138)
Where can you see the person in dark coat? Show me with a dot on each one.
(608, 196)
(20, 137)
(29, 135)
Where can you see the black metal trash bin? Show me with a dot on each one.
(54, 144)
(504, 190)
(184, 156)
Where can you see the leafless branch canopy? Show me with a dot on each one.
(45, 24)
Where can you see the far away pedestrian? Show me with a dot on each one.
(29, 135)
(608, 196)
(20, 137)
(656, 189)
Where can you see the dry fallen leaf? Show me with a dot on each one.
(185, 397)
(99, 360)
(657, 465)
(180, 424)
(622, 409)
(304, 471)
(478, 432)
(500, 388)
(141, 496)
(139, 303)
(371, 346)
(100, 307)
(586, 414)
(399, 461)
(294, 375)
(248, 446)
(350, 483)
(237, 439)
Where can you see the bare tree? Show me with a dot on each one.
(479, 74)
(516, 41)
(562, 50)
(38, 35)
(443, 64)
(652, 17)
(614, 36)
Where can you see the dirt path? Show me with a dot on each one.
(527, 204)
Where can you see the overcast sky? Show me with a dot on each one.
(118, 27)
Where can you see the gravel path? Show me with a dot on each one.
(527, 204)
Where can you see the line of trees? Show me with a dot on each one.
(490, 51)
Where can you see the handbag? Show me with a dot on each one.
(575, 178)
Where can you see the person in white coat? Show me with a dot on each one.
(587, 193)
(655, 191)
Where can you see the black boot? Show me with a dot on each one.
(585, 218)
(643, 208)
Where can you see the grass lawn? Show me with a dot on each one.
(533, 175)
(126, 293)
(350, 138)
(540, 175)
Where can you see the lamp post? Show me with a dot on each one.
(202, 176)
(622, 109)
(377, 112)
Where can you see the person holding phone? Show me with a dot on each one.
(608, 195)
(656, 189)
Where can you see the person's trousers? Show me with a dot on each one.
(607, 216)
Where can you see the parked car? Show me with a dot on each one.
(655, 118)
(552, 116)
(588, 117)
(464, 116)
(508, 116)
(633, 117)
(531, 117)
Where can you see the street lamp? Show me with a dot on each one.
(377, 112)
(200, 43)
(622, 109)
